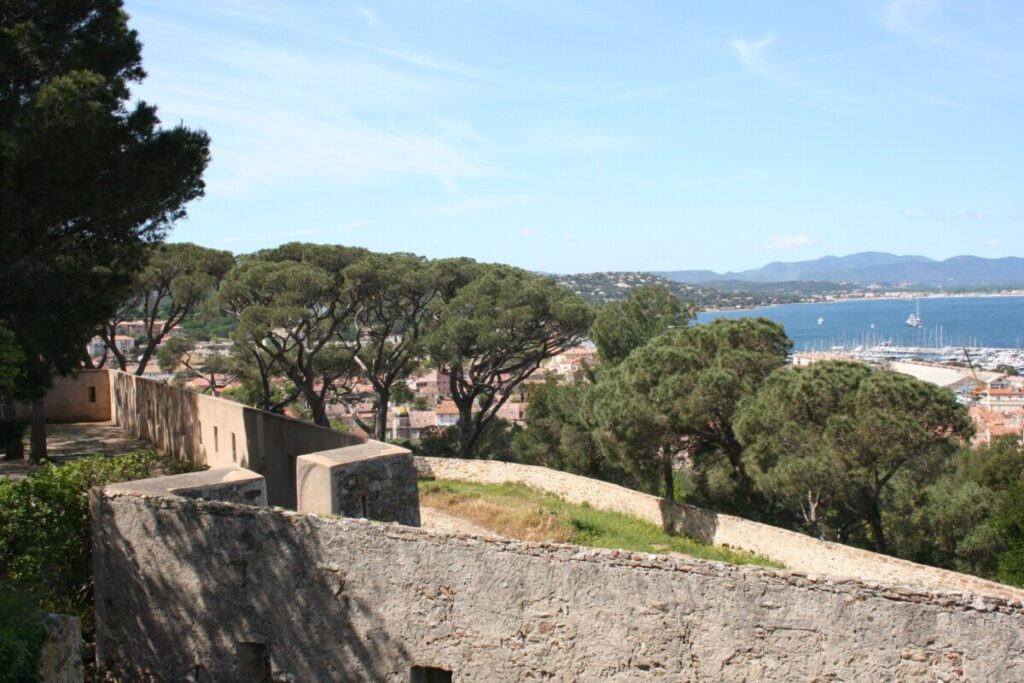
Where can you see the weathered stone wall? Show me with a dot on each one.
(222, 592)
(83, 397)
(374, 481)
(220, 433)
(794, 550)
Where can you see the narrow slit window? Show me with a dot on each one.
(92, 394)
(215, 440)
(234, 450)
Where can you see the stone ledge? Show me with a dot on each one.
(226, 484)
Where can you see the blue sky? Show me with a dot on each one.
(583, 136)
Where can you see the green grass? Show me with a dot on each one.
(518, 511)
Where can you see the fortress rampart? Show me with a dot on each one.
(194, 577)
(221, 591)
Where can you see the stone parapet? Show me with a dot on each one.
(373, 480)
(207, 589)
(225, 484)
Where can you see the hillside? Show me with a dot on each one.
(873, 268)
(599, 288)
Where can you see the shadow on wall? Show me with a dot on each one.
(268, 576)
(170, 420)
(220, 433)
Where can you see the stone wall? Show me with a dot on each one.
(83, 397)
(794, 550)
(220, 433)
(373, 481)
(217, 591)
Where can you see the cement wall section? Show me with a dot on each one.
(216, 591)
(220, 433)
(82, 397)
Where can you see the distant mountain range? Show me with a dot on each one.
(872, 267)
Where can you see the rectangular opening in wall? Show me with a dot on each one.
(430, 674)
(92, 394)
(215, 440)
(200, 426)
(234, 451)
(253, 662)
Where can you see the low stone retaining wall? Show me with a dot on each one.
(795, 550)
(219, 591)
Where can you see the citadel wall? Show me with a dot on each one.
(219, 591)
(794, 550)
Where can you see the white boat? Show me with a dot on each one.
(821, 321)
(914, 319)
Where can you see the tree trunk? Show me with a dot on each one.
(380, 425)
(14, 448)
(37, 444)
(669, 477)
(874, 519)
(469, 434)
(319, 411)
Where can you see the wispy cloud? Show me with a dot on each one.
(368, 16)
(286, 120)
(751, 54)
(526, 232)
(786, 242)
(988, 242)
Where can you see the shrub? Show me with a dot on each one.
(1010, 526)
(21, 636)
(44, 527)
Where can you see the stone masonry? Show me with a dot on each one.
(219, 591)
(373, 481)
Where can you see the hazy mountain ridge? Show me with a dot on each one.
(872, 268)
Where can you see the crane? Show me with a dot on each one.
(979, 386)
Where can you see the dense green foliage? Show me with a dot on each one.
(1009, 523)
(11, 359)
(621, 327)
(825, 443)
(517, 511)
(44, 528)
(21, 636)
(88, 179)
(293, 311)
(494, 332)
(392, 296)
(676, 395)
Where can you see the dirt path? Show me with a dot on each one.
(435, 520)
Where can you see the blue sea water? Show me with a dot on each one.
(990, 321)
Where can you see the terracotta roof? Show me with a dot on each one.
(447, 408)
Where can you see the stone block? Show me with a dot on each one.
(61, 658)
(373, 480)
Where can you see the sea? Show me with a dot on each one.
(972, 321)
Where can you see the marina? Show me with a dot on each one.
(937, 329)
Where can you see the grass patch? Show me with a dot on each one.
(518, 511)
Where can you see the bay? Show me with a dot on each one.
(978, 321)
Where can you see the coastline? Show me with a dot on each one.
(902, 296)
